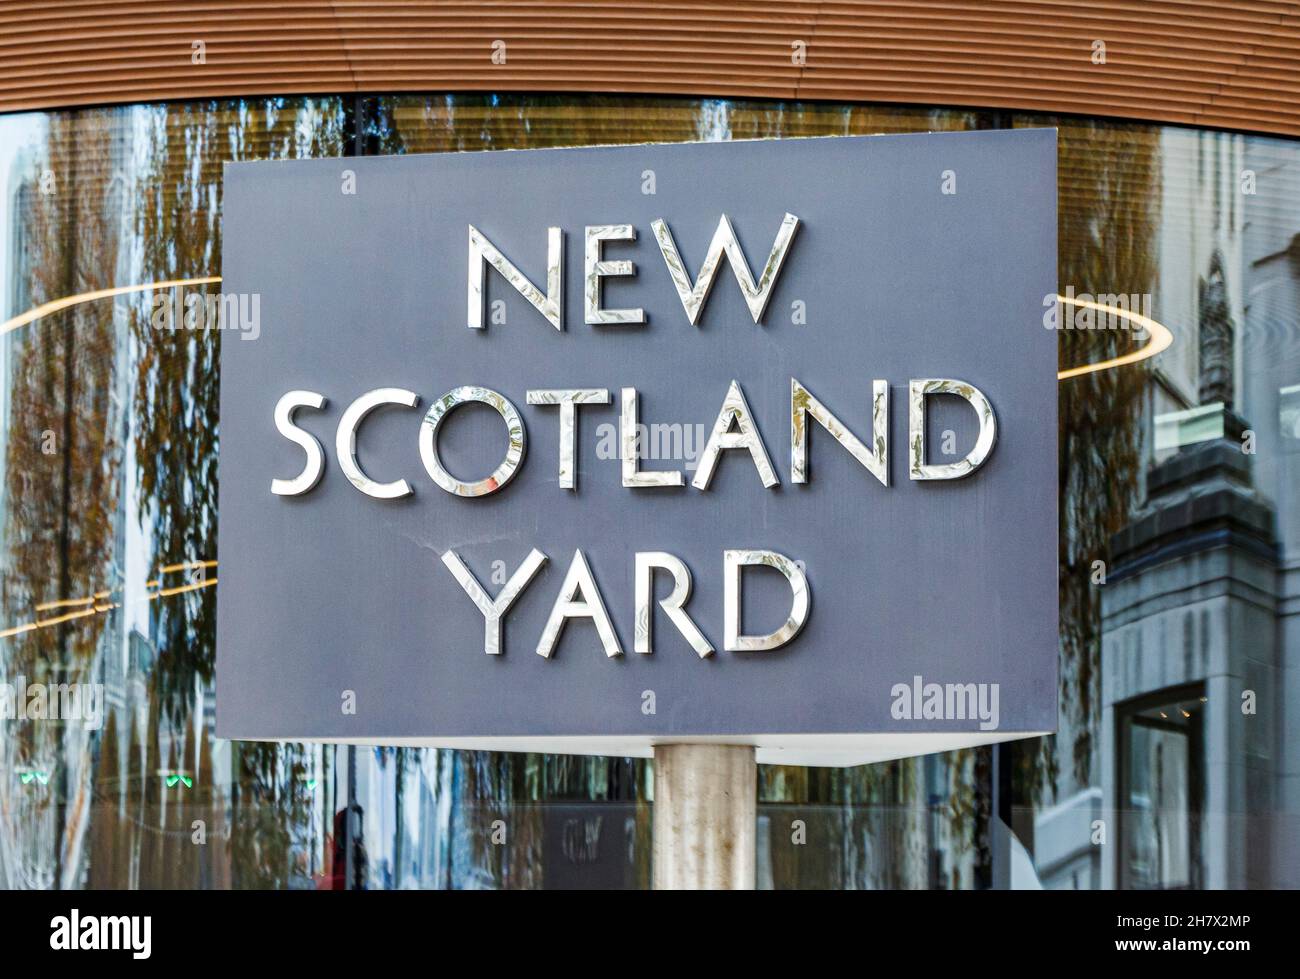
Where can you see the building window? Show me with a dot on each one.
(1162, 763)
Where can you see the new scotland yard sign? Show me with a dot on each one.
(585, 450)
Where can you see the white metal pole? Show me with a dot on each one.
(705, 811)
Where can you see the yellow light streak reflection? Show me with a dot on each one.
(63, 603)
(100, 608)
(179, 589)
(56, 305)
(186, 565)
(1161, 339)
(45, 623)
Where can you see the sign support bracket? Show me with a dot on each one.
(705, 816)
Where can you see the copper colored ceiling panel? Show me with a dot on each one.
(1223, 63)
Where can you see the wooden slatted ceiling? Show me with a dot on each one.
(1223, 63)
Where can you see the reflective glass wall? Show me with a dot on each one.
(1179, 542)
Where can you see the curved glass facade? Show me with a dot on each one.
(1179, 542)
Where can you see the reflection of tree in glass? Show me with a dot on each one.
(1108, 215)
(61, 465)
(176, 410)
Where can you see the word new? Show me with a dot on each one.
(483, 255)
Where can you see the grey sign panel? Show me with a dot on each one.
(933, 614)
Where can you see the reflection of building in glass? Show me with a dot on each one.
(1064, 844)
(1202, 589)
